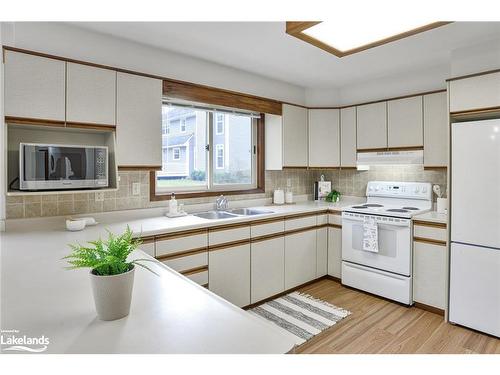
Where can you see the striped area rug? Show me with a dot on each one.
(300, 314)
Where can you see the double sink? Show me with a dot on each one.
(227, 214)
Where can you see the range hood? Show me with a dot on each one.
(365, 159)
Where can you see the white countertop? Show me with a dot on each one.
(433, 217)
(169, 313)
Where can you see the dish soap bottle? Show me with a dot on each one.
(172, 205)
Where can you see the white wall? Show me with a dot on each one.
(3, 169)
(72, 42)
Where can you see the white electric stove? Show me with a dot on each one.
(388, 272)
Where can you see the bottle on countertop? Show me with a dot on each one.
(172, 205)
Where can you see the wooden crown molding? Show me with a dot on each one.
(296, 29)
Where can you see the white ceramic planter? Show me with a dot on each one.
(112, 294)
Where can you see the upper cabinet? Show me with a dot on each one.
(405, 122)
(372, 126)
(34, 87)
(138, 119)
(274, 142)
(475, 93)
(324, 138)
(435, 130)
(348, 137)
(90, 95)
(294, 136)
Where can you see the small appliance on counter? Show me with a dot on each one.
(322, 188)
(279, 196)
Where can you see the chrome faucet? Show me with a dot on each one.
(221, 203)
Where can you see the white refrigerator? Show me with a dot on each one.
(475, 226)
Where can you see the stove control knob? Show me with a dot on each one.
(417, 189)
(424, 190)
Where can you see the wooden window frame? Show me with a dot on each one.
(260, 174)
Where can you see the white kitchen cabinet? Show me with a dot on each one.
(138, 119)
(229, 273)
(372, 126)
(294, 136)
(405, 122)
(90, 94)
(274, 142)
(321, 251)
(348, 137)
(300, 258)
(429, 274)
(335, 251)
(34, 86)
(267, 268)
(474, 93)
(435, 130)
(324, 138)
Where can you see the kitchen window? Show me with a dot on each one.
(215, 153)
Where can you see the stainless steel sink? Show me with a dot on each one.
(248, 211)
(214, 215)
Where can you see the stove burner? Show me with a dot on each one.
(373, 205)
(359, 207)
(396, 210)
(410, 208)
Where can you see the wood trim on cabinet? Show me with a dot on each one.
(226, 245)
(475, 113)
(215, 96)
(267, 237)
(429, 241)
(184, 233)
(389, 149)
(182, 254)
(335, 212)
(305, 214)
(223, 227)
(267, 221)
(193, 271)
(84, 125)
(294, 167)
(126, 168)
(11, 120)
(296, 29)
(148, 239)
(485, 72)
(337, 226)
(429, 308)
(432, 224)
(435, 167)
(300, 230)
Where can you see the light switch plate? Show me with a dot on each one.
(136, 188)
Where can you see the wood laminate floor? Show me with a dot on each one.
(379, 326)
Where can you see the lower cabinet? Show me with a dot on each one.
(321, 251)
(335, 251)
(267, 268)
(229, 273)
(300, 258)
(429, 274)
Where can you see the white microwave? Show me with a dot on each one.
(62, 167)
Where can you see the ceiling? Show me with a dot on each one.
(264, 48)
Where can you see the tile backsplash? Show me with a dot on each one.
(348, 182)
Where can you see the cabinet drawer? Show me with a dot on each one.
(265, 229)
(180, 243)
(220, 236)
(199, 277)
(335, 219)
(148, 248)
(429, 232)
(322, 219)
(300, 222)
(188, 262)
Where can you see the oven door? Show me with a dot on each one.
(394, 243)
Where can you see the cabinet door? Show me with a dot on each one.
(321, 252)
(34, 86)
(324, 138)
(274, 142)
(475, 92)
(267, 268)
(334, 252)
(348, 137)
(229, 274)
(372, 126)
(294, 136)
(138, 119)
(90, 95)
(405, 122)
(300, 258)
(435, 130)
(429, 274)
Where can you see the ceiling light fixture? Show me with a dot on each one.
(343, 38)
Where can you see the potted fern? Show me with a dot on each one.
(111, 275)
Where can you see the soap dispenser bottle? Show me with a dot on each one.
(172, 205)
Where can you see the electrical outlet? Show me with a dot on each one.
(136, 188)
(99, 196)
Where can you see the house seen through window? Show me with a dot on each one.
(204, 150)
